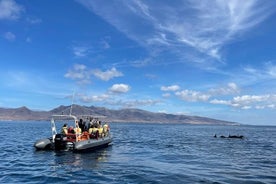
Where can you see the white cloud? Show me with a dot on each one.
(231, 88)
(205, 26)
(10, 10)
(249, 101)
(79, 73)
(107, 75)
(192, 96)
(82, 75)
(9, 36)
(105, 44)
(246, 107)
(166, 95)
(94, 98)
(34, 20)
(272, 106)
(81, 51)
(270, 70)
(119, 88)
(223, 102)
(266, 71)
(110, 99)
(134, 103)
(170, 88)
(141, 62)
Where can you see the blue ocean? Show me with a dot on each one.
(143, 153)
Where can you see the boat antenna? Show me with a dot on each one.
(72, 102)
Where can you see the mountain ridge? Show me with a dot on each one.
(122, 115)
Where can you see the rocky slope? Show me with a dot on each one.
(123, 115)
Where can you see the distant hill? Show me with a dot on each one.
(123, 115)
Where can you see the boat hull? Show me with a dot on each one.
(44, 144)
(80, 146)
(92, 144)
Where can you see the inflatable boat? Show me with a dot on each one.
(78, 137)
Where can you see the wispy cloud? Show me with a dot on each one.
(133, 103)
(267, 71)
(203, 96)
(105, 44)
(80, 73)
(112, 97)
(81, 51)
(231, 88)
(9, 36)
(224, 95)
(263, 74)
(93, 98)
(108, 74)
(192, 96)
(170, 88)
(17, 79)
(205, 26)
(249, 101)
(34, 20)
(10, 10)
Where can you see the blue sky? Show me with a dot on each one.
(207, 58)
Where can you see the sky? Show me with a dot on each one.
(214, 58)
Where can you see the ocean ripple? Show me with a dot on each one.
(143, 153)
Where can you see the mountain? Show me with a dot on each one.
(123, 115)
(23, 113)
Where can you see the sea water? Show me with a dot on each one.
(143, 153)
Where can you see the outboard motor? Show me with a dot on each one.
(60, 142)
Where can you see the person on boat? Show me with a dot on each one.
(105, 129)
(71, 130)
(77, 130)
(84, 127)
(64, 129)
(101, 131)
(81, 124)
(96, 123)
(90, 123)
(94, 132)
(90, 129)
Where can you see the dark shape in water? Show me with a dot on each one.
(231, 136)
